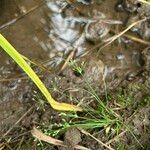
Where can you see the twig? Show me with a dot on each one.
(137, 39)
(20, 143)
(116, 137)
(8, 147)
(111, 39)
(2, 146)
(17, 78)
(41, 136)
(38, 64)
(70, 56)
(20, 17)
(105, 145)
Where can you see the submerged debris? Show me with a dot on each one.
(72, 138)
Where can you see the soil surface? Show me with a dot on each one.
(50, 32)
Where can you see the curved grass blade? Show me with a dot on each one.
(10, 50)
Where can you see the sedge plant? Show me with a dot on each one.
(102, 117)
(92, 118)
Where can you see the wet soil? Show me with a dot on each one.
(47, 32)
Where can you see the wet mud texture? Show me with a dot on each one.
(47, 32)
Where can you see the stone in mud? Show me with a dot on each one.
(96, 31)
(72, 138)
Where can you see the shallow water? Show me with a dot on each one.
(41, 32)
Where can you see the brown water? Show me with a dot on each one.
(39, 31)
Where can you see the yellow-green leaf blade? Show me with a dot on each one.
(10, 50)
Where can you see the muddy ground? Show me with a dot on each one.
(49, 33)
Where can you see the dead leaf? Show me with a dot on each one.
(2, 146)
(41, 136)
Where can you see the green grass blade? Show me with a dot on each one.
(11, 51)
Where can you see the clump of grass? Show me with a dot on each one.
(93, 118)
(78, 70)
(104, 116)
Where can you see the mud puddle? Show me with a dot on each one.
(51, 31)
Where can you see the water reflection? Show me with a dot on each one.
(53, 33)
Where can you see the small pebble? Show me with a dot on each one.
(120, 56)
(119, 7)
